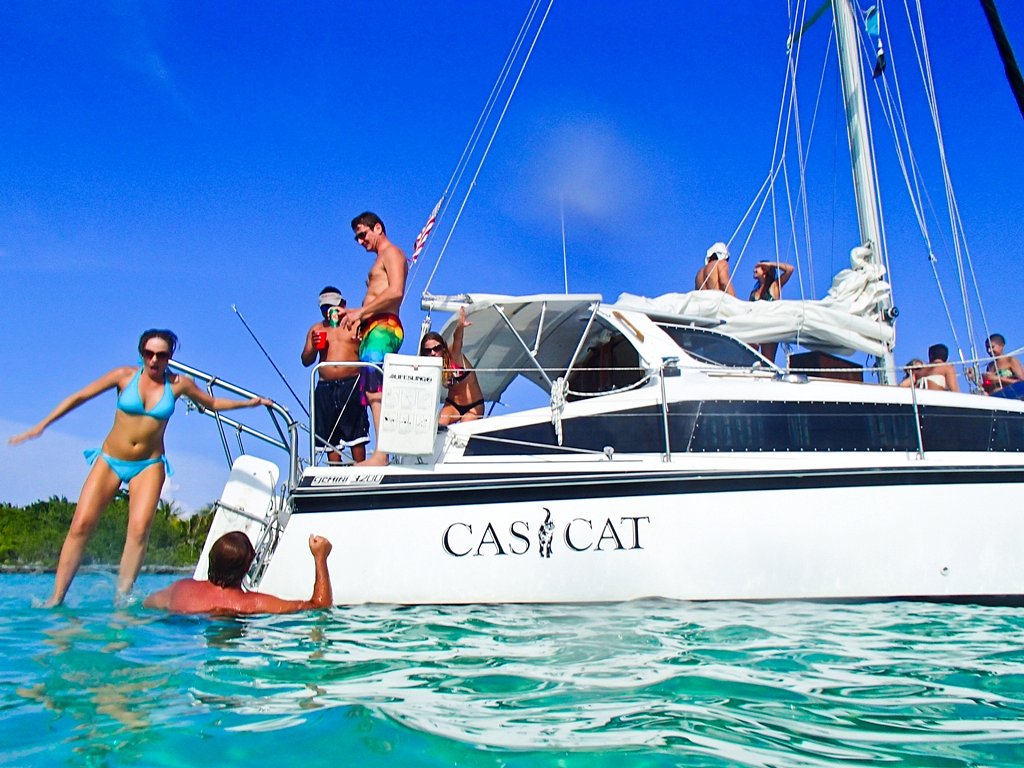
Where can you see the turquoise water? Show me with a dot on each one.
(652, 683)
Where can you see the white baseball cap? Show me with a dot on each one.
(718, 250)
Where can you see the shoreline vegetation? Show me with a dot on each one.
(31, 536)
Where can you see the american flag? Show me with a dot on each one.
(421, 238)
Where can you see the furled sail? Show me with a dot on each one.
(846, 320)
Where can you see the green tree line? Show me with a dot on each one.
(32, 535)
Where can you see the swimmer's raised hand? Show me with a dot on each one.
(319, 546)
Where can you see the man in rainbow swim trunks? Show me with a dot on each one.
(380, 329)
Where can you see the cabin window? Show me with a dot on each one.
(955, 429)
(1008, 432)
(608, 362)
(713, 348)
(727, 426)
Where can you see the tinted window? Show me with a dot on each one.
(715, 348)
(787, 426)
(1008, 432)
(955, 429)
(608, 362)
(736, 425)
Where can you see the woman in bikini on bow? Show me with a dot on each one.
(465, 400)
(769, 277)
(132, 453)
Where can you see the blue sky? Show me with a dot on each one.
(163, 161)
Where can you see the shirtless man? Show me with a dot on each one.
(340, 414)
(230, 558)
(380, 330)
(714, 275)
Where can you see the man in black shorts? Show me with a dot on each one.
(340, 419)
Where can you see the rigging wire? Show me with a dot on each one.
(895, 115)
(494, 133)
(482, 119)
(961, 254)
(783, 122)
(805, 156)
(565, 257)
(802, 180)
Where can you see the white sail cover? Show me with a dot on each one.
(845, 321)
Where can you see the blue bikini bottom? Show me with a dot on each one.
(124, 468)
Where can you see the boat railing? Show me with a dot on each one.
(315, 440)
(653, 378)
(285, 427)
(624, 379)
(917, 423)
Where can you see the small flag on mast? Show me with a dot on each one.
(871, 21)
(871, 27)
(421, 238)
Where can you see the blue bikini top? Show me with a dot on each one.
(130, 400)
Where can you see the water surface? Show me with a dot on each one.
(648, 683)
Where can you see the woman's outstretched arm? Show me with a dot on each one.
(108, 381)
(211, 403)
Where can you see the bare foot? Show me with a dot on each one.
(377, 459)
(125, 600)
(53, 602)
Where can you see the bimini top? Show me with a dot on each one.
(533, 336)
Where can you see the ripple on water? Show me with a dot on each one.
(786, 684)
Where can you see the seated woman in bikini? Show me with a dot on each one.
(1004, 370)
(465, 400)
(938, 374)
(132, 453)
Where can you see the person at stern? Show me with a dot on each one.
(380, 329)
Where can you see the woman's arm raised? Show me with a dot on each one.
(460, 330)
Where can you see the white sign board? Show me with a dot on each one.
(409, 400)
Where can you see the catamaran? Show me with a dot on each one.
(668, 458)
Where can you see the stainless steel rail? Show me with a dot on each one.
(313, 438)
(287, 433)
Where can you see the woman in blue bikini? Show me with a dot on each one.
(132, 453)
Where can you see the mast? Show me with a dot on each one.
(865, 186)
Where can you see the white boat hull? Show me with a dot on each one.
(713, 480)
(828, 536)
